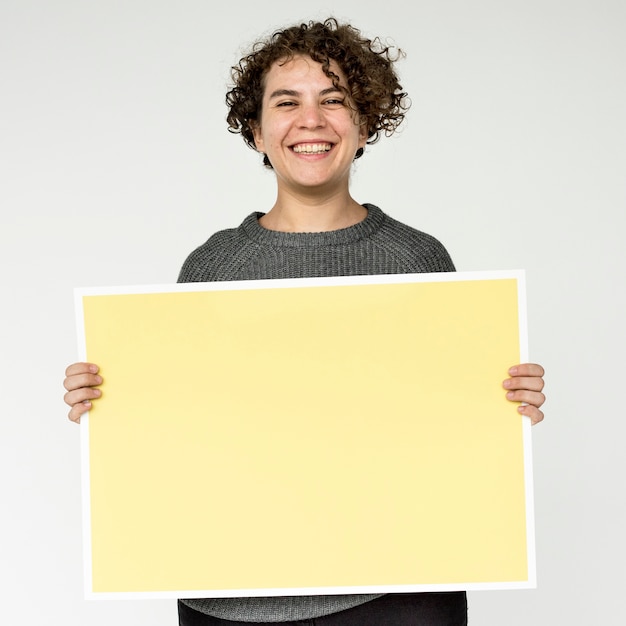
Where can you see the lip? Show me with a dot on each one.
(312, 147)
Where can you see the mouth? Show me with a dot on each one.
(312, 148)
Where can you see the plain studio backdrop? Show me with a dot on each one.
(116, 162)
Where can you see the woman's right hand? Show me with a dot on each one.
(81, 380)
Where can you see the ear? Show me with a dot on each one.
(362, 134)
(258, 136)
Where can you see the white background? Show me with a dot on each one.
(115, 162)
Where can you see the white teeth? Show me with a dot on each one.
(312, 148)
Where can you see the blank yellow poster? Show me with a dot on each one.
(307, 436)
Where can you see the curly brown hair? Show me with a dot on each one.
(367, 64)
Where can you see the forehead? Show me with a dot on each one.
(301, 70)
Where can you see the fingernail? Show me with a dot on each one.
(98, 379)
(507, 383)
(93, 369)
(510, 395)
(513, 371)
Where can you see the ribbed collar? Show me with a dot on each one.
(365, 228)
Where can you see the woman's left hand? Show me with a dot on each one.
(526, 385)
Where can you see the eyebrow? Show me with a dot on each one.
(293, 93)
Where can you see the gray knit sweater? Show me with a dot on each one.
(377, 245)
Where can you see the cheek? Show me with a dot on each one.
(270, 134)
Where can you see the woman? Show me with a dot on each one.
(309, 99)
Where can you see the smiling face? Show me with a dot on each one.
(307, 129)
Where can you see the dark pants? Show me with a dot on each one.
(394, 609)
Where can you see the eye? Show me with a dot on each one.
(286, 103)
(334, 101)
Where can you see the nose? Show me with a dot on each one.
(311, 116)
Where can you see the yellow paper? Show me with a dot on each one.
(272, 437)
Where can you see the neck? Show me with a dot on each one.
(296, 214)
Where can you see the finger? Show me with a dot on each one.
(81, 368)
(533, 383)
(76, 381)
(532, 412)
(78, 410)
(532, 398)
(527, 369)
(84, 394)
